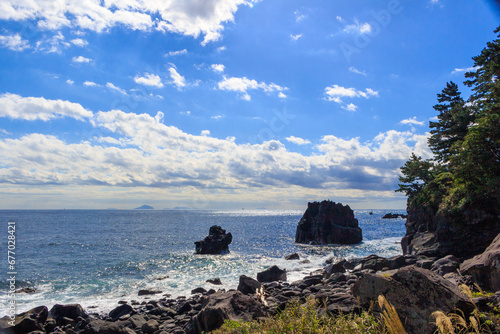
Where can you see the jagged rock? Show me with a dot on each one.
(98, 326)
(215, 281)
(217, 242)
(415, 293)
(248, 286)
(120, 311)
(377, 263)
(446, 265)
(485, 268)
(433, 234)
(272, 274)
(328, 223)
(220, 306)
(198, 290)
(32, 320)
(335, 267)
(71, 311)
(293, 256)
(26, 290)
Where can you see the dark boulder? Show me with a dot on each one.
(32, 320)
(328, 223)
(215, 281)
(120, 311)
(485, 268)
(145, 292)
(415, 293)
(98, 326)
(272, 274)
(446, 265)
(71, 311)
(217, 242)
(391, 215)
(218, 307)
(248, 286)
(377, 263)
(293, 256)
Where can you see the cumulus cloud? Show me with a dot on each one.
(243, 85)
(90, 84)
(219, 68)
(14, 42)
(335, 93)
(350, 107)
(190, 18)
(149, 80)
(38, 108)
(81, 59)
(298, 140)
(358, 28)
(177, 80)
(79, 42)
(412, 121)
(295, 37)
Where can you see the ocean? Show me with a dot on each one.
(99, 257)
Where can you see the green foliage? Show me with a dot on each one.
(296, 318)
(465, 142)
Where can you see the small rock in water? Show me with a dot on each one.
(215, 281)
(145, 292)
(272, 274)
(293, 256)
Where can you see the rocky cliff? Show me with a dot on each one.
(432, 233)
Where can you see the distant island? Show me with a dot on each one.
(144, 207)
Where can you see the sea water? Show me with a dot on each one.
(99, 257)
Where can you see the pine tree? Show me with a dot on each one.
(453, 121)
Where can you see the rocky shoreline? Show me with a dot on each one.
(416, 286)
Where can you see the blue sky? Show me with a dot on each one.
(223, 104)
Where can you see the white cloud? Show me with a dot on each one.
(221, 48)
(90, 84)
(281, 95)
(412, 121)
(350, 107)
(53, 44)
(70, 82)
(335, 93)
(219, 68)
(115, 88)
(81, 59)
(178, 80)
(298, 140)
(149, 80)
(205, 132)
(38, 108)
(461, 70)
(355, 70)
(14, 42)
(216, 117)
(299, 16)
(190, 18)
(176, 53)
(79, 42)
(358, 28)
(244, 84)
(340, 19)
(295, 37)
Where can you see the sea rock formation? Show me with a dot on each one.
(485, 267)
(217, 242)
(328, 223)
(391, 215)
(431, 233)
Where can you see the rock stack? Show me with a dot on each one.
(328, 223)
(217, 242)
